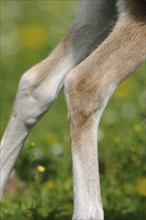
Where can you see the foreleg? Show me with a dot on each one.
(39, 86)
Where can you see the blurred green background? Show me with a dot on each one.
(29, 31)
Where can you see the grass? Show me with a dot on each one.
(45, 162)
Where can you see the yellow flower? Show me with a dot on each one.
(41, 168)
(34, 36)
(141, 186)
(137, 127)
(33, 144)
(117, 140)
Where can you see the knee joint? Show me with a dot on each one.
(34, 98)
(28, 80)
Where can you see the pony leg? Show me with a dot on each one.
(88, 88)
(40, 85)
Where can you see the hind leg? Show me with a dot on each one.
(88, 88)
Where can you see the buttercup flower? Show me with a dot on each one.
(41, 168)
(32, 144)
(137, 127)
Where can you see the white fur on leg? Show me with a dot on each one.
(87, 198)
(34, 98)
(40, 85)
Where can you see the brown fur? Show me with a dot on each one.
(108, 65)
(88, 87)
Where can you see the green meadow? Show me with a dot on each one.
(43, 172)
